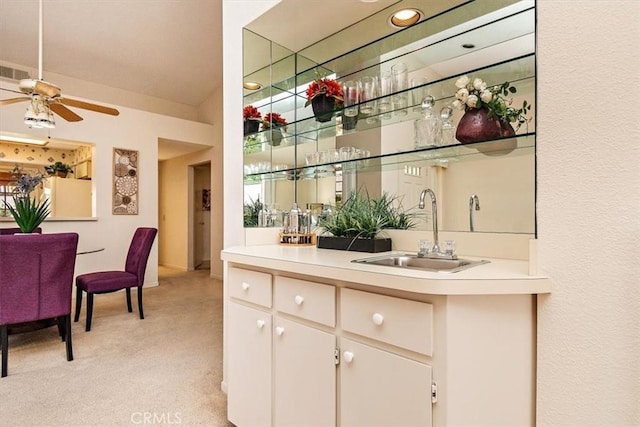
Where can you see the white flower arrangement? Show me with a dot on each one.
(475, 94)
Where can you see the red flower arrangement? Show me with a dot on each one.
(251, 113)
(273, 120)
(327, 87)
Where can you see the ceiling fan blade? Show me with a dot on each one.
(13, 100)
(88, 106)
(64, 112)
(46, 89)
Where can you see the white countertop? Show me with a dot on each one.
(499, 276)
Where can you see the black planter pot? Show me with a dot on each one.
(251, 126)
(354, 244)
(349, 123)
(323, 108)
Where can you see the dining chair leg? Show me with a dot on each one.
(4, 339)
(128, 291)
(89, 311)
(61, 327)
(78, 304)
(67, 326)
(140, 302)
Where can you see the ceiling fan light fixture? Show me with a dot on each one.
(405, 18)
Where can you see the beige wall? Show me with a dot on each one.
(132, 129)
(588, 213)
(588, 203)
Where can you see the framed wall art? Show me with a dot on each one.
(125, 182)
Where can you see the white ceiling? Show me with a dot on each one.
(170, 49)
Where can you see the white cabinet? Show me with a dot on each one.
(404, 359)
(249, 392)
(378, 388)
(304, 359)
(304, 375)
(250, 348)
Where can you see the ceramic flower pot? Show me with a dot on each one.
(251, 126)
(476, 125)
(323, 108)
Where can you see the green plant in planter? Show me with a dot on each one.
(27, 212)
(251, 211)
(58, 167)
(361, 216)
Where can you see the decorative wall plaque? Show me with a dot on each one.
(125, 182)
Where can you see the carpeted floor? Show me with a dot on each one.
(163, 370)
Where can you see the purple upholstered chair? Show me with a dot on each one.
(110, 281)
(36, 282)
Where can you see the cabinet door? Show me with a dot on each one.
(249, 389)
(304, 376)
(378, 388)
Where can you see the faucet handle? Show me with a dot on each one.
(449, 247)
(426, 246)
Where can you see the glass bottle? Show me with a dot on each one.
(294, 219)
(447, 130)
(426, 128)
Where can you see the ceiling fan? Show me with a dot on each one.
(46, 98)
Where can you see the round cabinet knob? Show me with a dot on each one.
(279, 330)
(299, 299)
(347, 356)
(245, 286)
(377, 319)
(260, 324)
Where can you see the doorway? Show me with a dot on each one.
(201, 221)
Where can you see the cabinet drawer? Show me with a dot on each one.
(308, 300)
(251, 286)
(396, 321)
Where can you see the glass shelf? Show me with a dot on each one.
(432, 156)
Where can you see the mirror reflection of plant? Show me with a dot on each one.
(361, 216)
(274, 120)
(251, 113)
(251, 211)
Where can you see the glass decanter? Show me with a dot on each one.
(426, 128)
(447, 130)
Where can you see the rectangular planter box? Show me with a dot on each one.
(355, 245)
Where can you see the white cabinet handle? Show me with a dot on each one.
(245, 286)
(299, 299)
(279, 330)
(347, 356)
(377, 318)
(260, 324)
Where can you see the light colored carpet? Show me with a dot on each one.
(163, 370)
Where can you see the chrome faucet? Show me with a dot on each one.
(473, 201)
(434, 216)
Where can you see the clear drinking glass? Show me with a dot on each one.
(386, 89)
(400, 83)
(369, 86)
(351, 90)
(419, 91)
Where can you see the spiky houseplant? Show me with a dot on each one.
(27, 212)
(361, 218)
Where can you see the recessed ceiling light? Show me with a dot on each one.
(405, 17)
(251, 85)
(468, 45)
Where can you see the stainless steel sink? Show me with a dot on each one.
(415, 262)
